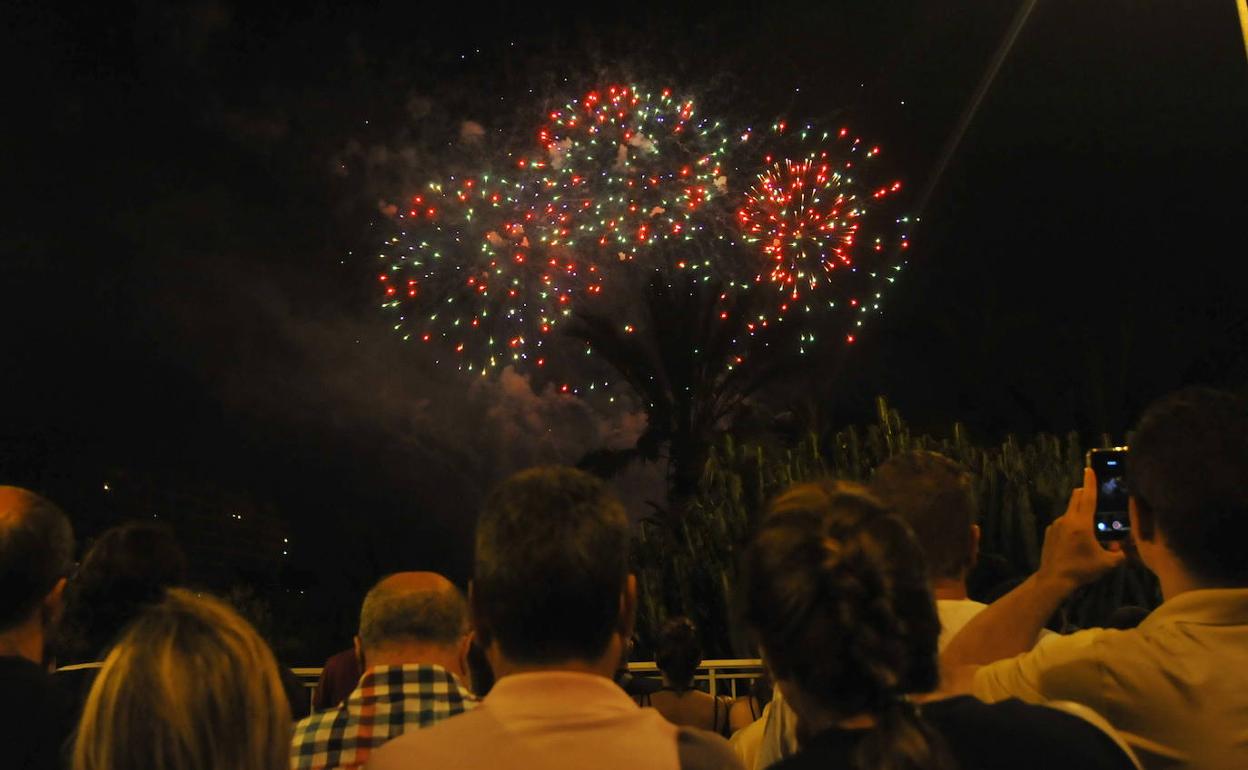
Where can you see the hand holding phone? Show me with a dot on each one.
(1110, 520)
(1072, 554)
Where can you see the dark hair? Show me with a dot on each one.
(551, 561)
(1188, 474)
(36, 550)
(837, 594)
(128, 568)
(678, 652)
(480, 674)
(934, 495)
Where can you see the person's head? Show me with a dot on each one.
(836, 592)
(414, 618)
(1188, 480)
(189, 686)
(678, 651)
(935, 497)
(125, 570)
(551, 583)
(36, 554)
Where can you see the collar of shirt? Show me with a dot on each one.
(550, 693)
(1206, 606)
(409, 680)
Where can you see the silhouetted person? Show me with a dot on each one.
(553, 605)
(935, 496)
(126, 570)
(1176, 686)
(339, 676)
(412, 647)
(36, 555)
(189, 686)
(837, 594)
(749, 707)
(678, 654)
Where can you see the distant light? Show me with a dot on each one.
(106, 489)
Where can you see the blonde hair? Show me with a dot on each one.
(190, 686)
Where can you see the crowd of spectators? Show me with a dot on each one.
(856, 597)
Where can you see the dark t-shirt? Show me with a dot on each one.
(36, 718)
(339, 676)
(1009, 734)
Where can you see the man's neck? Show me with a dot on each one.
(605, 666)
(24, 641)
(413, 655)
(507, 668)
(1177, 581)
(1173, 577)
(949, 589)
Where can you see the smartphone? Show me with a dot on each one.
(1110, 467)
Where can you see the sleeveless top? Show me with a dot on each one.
(717, 726)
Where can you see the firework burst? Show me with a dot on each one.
(622, 169)
(824, 232)
(460, 272)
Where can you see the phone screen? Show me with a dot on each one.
(1111, 519)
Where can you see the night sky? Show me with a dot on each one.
(186, 312)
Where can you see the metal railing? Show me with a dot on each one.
(731, 677)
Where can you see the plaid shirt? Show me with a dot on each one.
(388, 701)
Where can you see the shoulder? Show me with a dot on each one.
(1058, 667)
(310, 727)
(35, 717)
(312, 722)
(702, 750)
(1044, 736)
(448, 739)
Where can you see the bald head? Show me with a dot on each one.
(413, 608)
(36, 551)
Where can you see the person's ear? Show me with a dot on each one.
(358, 646)
(976, 535)
(53, 605)
(1139, 532)
(480, 628)
(55, 599)
(465, 644)
(628, 609)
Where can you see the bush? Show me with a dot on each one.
(686, 564)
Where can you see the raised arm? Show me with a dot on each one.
(1070, 558)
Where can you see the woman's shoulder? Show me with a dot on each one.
(1024, 734)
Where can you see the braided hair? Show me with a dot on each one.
(836, 591)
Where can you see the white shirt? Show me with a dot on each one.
(955, 613)
(1176, 686)
(556, 720)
